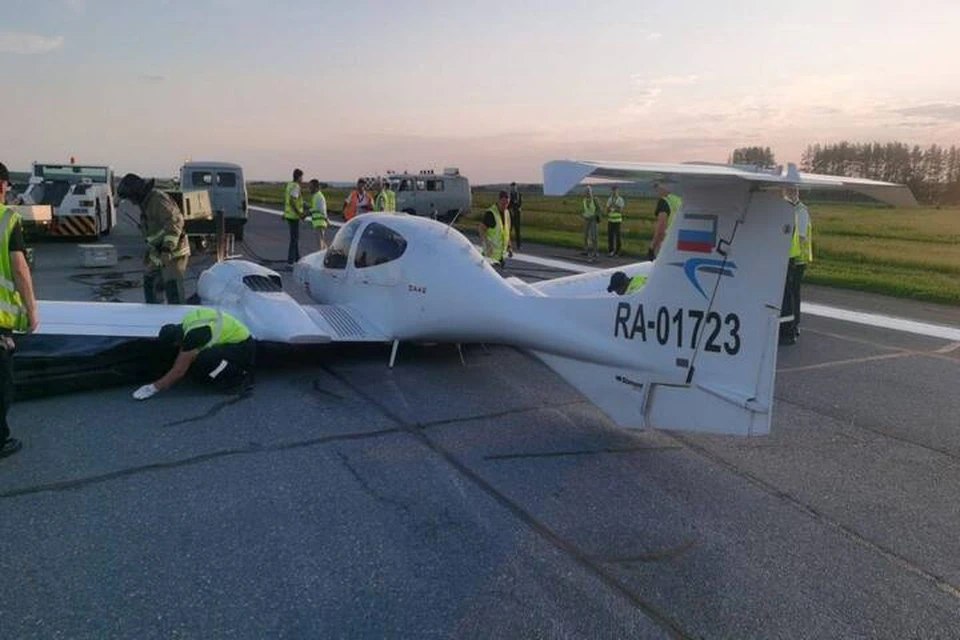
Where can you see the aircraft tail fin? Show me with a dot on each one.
(695, 348)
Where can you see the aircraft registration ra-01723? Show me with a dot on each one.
(693, 350)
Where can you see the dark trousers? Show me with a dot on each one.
(6, 389)
(293, 252)
(225, 366)
(613, 237)
(791, 300)
(798, 269)
(515, 224)
(165, 282)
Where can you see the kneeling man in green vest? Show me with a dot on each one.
(622, 284)
(214, 347)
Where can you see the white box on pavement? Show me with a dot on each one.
(97, 255)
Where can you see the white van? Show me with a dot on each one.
(426, 193)
(225, 184)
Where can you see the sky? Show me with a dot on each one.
(496, 88)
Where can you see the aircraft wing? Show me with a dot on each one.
(269, 320)
(560, 176)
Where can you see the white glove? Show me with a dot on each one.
(145, 392)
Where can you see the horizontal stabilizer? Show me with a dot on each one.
(560, 176)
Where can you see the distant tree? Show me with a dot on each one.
(759, 156)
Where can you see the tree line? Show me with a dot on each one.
(932, 173)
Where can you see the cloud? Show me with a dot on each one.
(642, 101)
(935, 111)
(676, 80)
(28, 43)
(152, 78)
(653, 35)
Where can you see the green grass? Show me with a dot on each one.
(907, 253)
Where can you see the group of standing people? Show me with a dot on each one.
(297, 208)
(592, 211)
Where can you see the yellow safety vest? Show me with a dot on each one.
(294, 211)
(801, 250)
(499, 235)
(318, 211)
(391, 200)
(382, 202)
(614, 215)
(675, 203)
(12, 312)
(224, 328)
(589, 208)
(636, 283)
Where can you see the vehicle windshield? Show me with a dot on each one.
(71, 173)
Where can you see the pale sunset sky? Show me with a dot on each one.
(496, 88)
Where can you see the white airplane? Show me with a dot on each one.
(694, 350)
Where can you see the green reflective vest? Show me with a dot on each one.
(615, 209)
(224, 328)
(675, 203)
(499, 235)
(636, 283)
(295, 210)
(318, 211)
(386, 201)
(589, 208)
(801, 250)
(13, 315)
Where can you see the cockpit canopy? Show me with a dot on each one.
(378, 245)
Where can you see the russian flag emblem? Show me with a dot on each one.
(698, 233)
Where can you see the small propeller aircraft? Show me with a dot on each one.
(693, 350)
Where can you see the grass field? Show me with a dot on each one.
(908, 253)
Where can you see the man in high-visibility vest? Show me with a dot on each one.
(358, 202)
(293, 214)
(214, 347)
(801, 254)
(494, 230)
(18, 306)
(614, 211)
(318, 212)
(621, 284)
(590, 212)
(386, 199)
(164, 229)
(668, 206)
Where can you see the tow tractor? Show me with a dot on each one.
(71, 200)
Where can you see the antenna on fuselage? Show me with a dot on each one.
(454, 219)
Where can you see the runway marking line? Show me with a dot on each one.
(837, 363)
